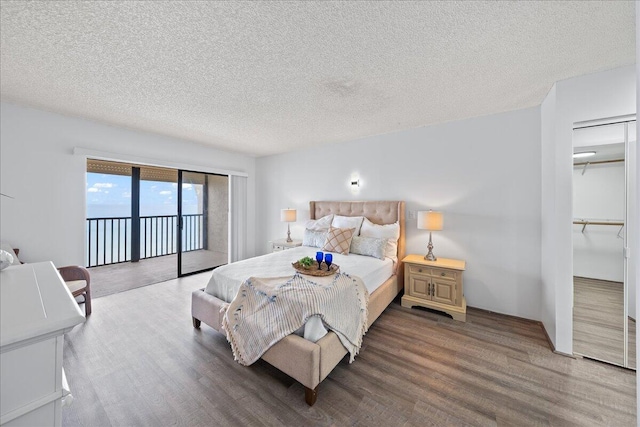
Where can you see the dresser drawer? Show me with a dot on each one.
(29, 373)
(444, 274)
(277, 248)
(419, 269)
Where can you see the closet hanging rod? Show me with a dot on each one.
(605, 222)
(582, 222)
(598, 162)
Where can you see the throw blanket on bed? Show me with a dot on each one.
(266, 310)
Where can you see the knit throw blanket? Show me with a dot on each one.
(265, 310)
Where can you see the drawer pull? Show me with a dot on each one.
(419, 270)
(443, 274)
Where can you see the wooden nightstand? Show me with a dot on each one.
(435, 284)
(282, 245)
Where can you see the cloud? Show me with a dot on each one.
(92, 190)
(165, 192)
(103, 185)
(126, 194)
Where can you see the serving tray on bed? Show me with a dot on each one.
(313, 270)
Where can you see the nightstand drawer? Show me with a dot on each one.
(419, 269)
(444, 274)
(283, 245)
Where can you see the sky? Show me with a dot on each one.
(110, 196)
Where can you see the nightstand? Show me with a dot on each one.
(282, 245)
(435, 284)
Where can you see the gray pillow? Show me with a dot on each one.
(368, 246)
(312, 238)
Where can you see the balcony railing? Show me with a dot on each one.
(109, 239)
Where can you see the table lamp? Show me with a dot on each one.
(432, 221)
(288, 215)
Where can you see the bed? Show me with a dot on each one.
(305, 361)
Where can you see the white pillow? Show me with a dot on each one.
(321, 224)
(314, 239)
(7, 248)
(348, 222)
(391, 232)
(6, 259)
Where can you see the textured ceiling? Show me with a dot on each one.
(270, 77)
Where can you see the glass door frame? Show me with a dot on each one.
(180, 222)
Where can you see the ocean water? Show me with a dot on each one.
(122, 210)
(109, 241)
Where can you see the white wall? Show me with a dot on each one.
(483, 173)
(599, 194)
(548, 263)
(594, 96)
(46, 220)
(634, 225)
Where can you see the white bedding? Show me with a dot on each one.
(226, 280)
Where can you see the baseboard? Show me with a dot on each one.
(551, 346)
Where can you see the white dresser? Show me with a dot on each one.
(36, 309)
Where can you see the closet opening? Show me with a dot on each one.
(604, 318)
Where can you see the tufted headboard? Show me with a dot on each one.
(378, 212)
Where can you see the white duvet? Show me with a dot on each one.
(226, 280)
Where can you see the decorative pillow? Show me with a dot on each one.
(348, 222)
(391, 232)
(315, 239)
(369, 246)
(338, 240)
(7, 248)
(321, 224)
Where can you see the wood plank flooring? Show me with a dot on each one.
(138, 361)
(598, 321)
(114, 278)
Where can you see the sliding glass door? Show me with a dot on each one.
(203, 209)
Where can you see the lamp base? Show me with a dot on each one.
(430, 256)
(289, 240)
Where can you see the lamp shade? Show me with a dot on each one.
(430, 220)
(288, 215)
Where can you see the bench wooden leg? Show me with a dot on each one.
(310, 395)
(196, 323)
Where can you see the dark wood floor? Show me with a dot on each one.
(138, 361)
